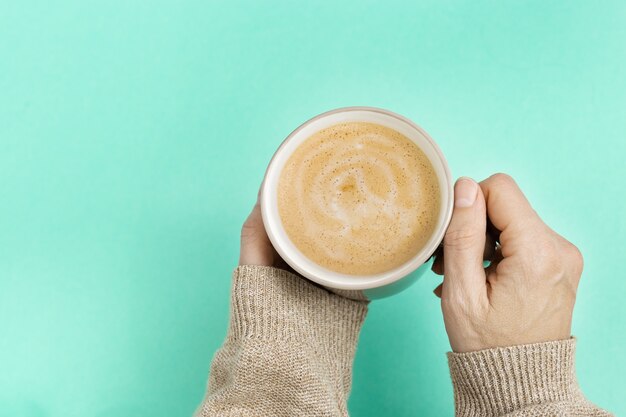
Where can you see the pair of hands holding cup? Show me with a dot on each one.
(525, 295)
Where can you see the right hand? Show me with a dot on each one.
(527, 294)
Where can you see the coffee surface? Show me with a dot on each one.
(358, 198)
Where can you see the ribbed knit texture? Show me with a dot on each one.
(290, 346)
(526, 380)
(288, 351)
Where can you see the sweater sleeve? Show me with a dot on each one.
(519, 381)
(288, 351)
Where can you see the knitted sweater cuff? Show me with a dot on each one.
(500, 380)
(274, 304)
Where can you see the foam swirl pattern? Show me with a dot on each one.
(358, 198)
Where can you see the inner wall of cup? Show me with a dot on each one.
(289, 251)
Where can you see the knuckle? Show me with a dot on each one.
(249, 230)
(545, 259)
(460, 239)
(502, 179)
(555, 257)
(545, 249)
(574, 257)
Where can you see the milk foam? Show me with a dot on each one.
(358, 198)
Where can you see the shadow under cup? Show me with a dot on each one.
(376, 285)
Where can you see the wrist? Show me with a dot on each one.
(273, 304)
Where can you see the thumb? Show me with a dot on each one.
(464, 242)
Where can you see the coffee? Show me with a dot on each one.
(358, 198)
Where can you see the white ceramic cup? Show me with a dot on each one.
(376, 285)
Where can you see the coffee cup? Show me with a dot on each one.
(381, 283)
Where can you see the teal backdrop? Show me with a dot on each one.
(134, 136)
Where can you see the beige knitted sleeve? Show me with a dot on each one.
(288, 351)
(519, 381)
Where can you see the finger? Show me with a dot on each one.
(490, 247)
(508, 209)
(437, 266)
(490, 271)
(491, 229)
(280, 263)
(256, 247)
(488, 255)
(258, 195)
(437, 290)
(464, 242)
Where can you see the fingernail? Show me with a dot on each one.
(465, 192)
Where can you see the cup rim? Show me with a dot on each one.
(387, 277)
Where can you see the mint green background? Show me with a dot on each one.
(134, 136)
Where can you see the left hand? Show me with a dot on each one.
(256, 247)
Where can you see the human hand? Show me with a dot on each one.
(527, 293)
(256, 247)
